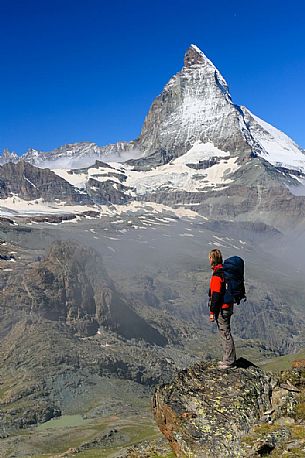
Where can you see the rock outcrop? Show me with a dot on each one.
(206, 412)
(108, 192)
(71, 286)
(8, 156)
(30, 183)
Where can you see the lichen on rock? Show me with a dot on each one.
(240, 412)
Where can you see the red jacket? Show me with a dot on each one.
(217, 290)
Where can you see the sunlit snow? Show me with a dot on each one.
(79, 180)
(176, 175)
(15, 205)
(280, 150)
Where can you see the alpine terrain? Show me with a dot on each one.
(104, 276)
(196, 149)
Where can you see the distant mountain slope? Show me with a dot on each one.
(277, 147)
(197, 149)
(30, 183)
(195, 105)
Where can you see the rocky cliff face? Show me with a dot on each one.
(8, 156)
(71, 286)
(30, 183)
(68, 335)
(194, 105)
(108, 192)
(243, 412)
(196, 148)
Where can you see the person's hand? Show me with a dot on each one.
(212, 317)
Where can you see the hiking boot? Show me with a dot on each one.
(224, 366)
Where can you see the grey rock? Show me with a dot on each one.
(204, 412)
(194, 105)
(30, 183)
(8, 156)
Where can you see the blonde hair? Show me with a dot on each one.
(216, 257)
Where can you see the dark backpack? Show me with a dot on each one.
(233, 270)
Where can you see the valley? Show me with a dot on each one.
(58, 362)
(104, 270)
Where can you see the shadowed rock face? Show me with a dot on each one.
(29, 183)
(107, 192)
(72, 286)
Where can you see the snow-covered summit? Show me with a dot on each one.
(194, 141)
(75, 155)
(195, 105)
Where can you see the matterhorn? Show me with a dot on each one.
(197, 149)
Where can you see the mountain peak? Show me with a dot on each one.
(8, 156)
(194, 56)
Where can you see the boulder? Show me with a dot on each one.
(205, 411)
(239, 412)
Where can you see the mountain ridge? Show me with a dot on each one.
(196, 148)
(194, 61)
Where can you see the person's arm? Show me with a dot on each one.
(212, 318)
(216, 295)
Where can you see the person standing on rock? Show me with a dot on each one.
(220, 311)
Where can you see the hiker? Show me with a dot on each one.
(219, 311)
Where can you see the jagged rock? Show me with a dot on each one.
(149, 449)
(111, 437)
(78, 154)
(4, 257)
(30, 183)
(107, 192)
(294, 377)
(8, 156)
(5, 220)
(265, 445)
(55, 219)
(194, 105)
(205, 411)
(71, 285)
(241, 412)
(38, 409)
(255, 169)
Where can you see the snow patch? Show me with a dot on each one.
(29, 181)
(177, 176)
(16, 206)
(279, 149)
(79, 180)
(199, 152)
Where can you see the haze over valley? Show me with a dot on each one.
(104, 264)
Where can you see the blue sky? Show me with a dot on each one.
(88, 70)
